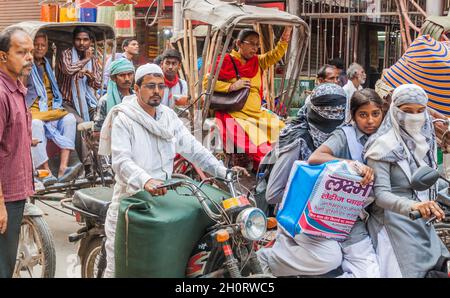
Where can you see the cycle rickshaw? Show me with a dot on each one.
(36, 254)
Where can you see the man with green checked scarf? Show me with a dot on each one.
(119, 86)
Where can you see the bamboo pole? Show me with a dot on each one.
(408, 22)
(195, 57)
(191, 58)
(211, 78)
(270, 100)
(417, 6)
(103, 65)
(186, 49)
(265, 82)
(192, 79)
(212, 46)
(203, 68)
(183, 60)
(402, 29)
(211, 84)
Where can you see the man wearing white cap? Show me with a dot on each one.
(143, 138)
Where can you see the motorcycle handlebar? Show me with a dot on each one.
(170, 185)
(415, 215)
(194, 189)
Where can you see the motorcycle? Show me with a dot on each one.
(226, 250)
(89, 206)
(423, 179)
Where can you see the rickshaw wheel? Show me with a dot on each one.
(36, 249)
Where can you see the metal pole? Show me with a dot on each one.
(325, 36)
(341, 31)
(355, 43)
(317, 41)
(310, 42)
(347, 50)
(358, 14)
(332, 36)
(386, 44)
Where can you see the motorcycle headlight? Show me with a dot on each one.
(252, 222)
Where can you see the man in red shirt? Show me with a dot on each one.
(16, 174)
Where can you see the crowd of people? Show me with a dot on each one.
(41, 105)
(384, 134)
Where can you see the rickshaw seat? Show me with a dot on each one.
(94, 200)
(86, 126)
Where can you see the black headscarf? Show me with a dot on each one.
(315, 121)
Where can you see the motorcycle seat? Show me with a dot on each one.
(94, 200)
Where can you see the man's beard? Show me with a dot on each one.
(22, 71)
(152, 103)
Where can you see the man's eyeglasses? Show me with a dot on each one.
(255, 45)
(152, 86)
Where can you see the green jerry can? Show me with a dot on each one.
(155, 235)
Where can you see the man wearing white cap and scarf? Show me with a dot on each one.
(143, 138)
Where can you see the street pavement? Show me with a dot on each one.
(61, 225)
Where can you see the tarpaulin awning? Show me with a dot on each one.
(63, 31)
(224, 15)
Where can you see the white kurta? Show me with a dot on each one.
(138, 155)
(349, 89)
(170, 94)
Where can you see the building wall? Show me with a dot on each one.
(15, 11)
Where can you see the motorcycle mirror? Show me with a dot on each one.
(423, 178)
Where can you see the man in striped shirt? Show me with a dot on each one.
(79, 76)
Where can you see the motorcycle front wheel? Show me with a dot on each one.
(36, 253)
(92, 258)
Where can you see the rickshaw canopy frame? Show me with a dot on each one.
(225, 16)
